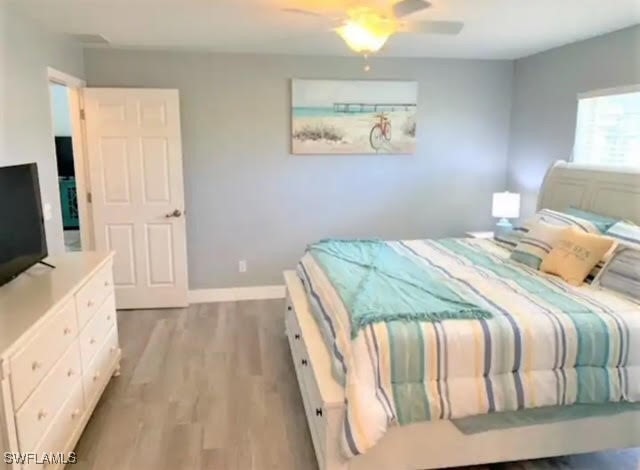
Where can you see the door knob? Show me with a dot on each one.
(175, 213)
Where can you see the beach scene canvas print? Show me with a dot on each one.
(353, 117)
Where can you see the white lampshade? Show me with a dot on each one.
(506, 205)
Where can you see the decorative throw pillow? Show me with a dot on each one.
(626, 232)
(508, 239)
(566, 220)
(535, 245)
(622, 273)
(575, 255)
(602, 222)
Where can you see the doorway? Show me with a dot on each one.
(63, 136)
(65, 93)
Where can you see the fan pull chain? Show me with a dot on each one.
(367, 67)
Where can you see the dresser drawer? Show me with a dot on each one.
(293, 331)
(95, 374)
(89, 298)
(94, 334)
(31, 363)
(63, 426)
(307, 379)
(37, 413)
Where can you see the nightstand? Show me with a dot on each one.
(483, 235)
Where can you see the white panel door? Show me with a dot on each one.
(135, 162)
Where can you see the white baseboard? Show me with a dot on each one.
(231, 294)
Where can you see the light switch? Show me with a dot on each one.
(47, 213)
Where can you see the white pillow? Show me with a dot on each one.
(559, 218)
(622, 273)
(536, 244)
(626, 232)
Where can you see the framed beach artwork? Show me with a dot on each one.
(353, 117)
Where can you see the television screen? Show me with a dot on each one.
(64, 156)
(22, 236)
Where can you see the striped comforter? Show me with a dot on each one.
(547, 344)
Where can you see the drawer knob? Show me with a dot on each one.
(90, 303)
(289, 307)
(41, 415)
(108, 317)
(106, 283)
(66, 331)
(75, 413)
(36, 365)
(96, 376)
(296, 336)
(318, 411)
(69, 372)
(92, 341)
(304, 362)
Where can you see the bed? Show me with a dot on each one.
(443, 442)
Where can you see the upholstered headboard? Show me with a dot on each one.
(609, 191)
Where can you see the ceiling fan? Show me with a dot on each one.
(365, 29)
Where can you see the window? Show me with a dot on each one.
(608, 128)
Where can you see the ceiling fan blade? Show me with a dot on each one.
(300, 11)
(408, 7)
(434, 27)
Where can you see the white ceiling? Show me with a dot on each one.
(496, 29)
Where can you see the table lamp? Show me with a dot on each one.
(505, 206)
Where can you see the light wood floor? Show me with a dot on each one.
(209, 387)
(213, 387)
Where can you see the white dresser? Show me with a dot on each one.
(58, 350)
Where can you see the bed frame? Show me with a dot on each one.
(607, 191)
(439, 444)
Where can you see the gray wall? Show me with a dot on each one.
(25, 111)
(241, 180)
(545, 101)
(248, 198)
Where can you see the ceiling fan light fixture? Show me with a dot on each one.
(360, 38)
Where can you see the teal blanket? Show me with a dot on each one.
(378, 284)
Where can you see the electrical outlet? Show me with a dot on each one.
(47, 211)
(242, 266)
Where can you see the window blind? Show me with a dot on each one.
(608, 129)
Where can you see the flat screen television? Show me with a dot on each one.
(64, 156)
(22, 236)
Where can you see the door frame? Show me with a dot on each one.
(78, 138)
